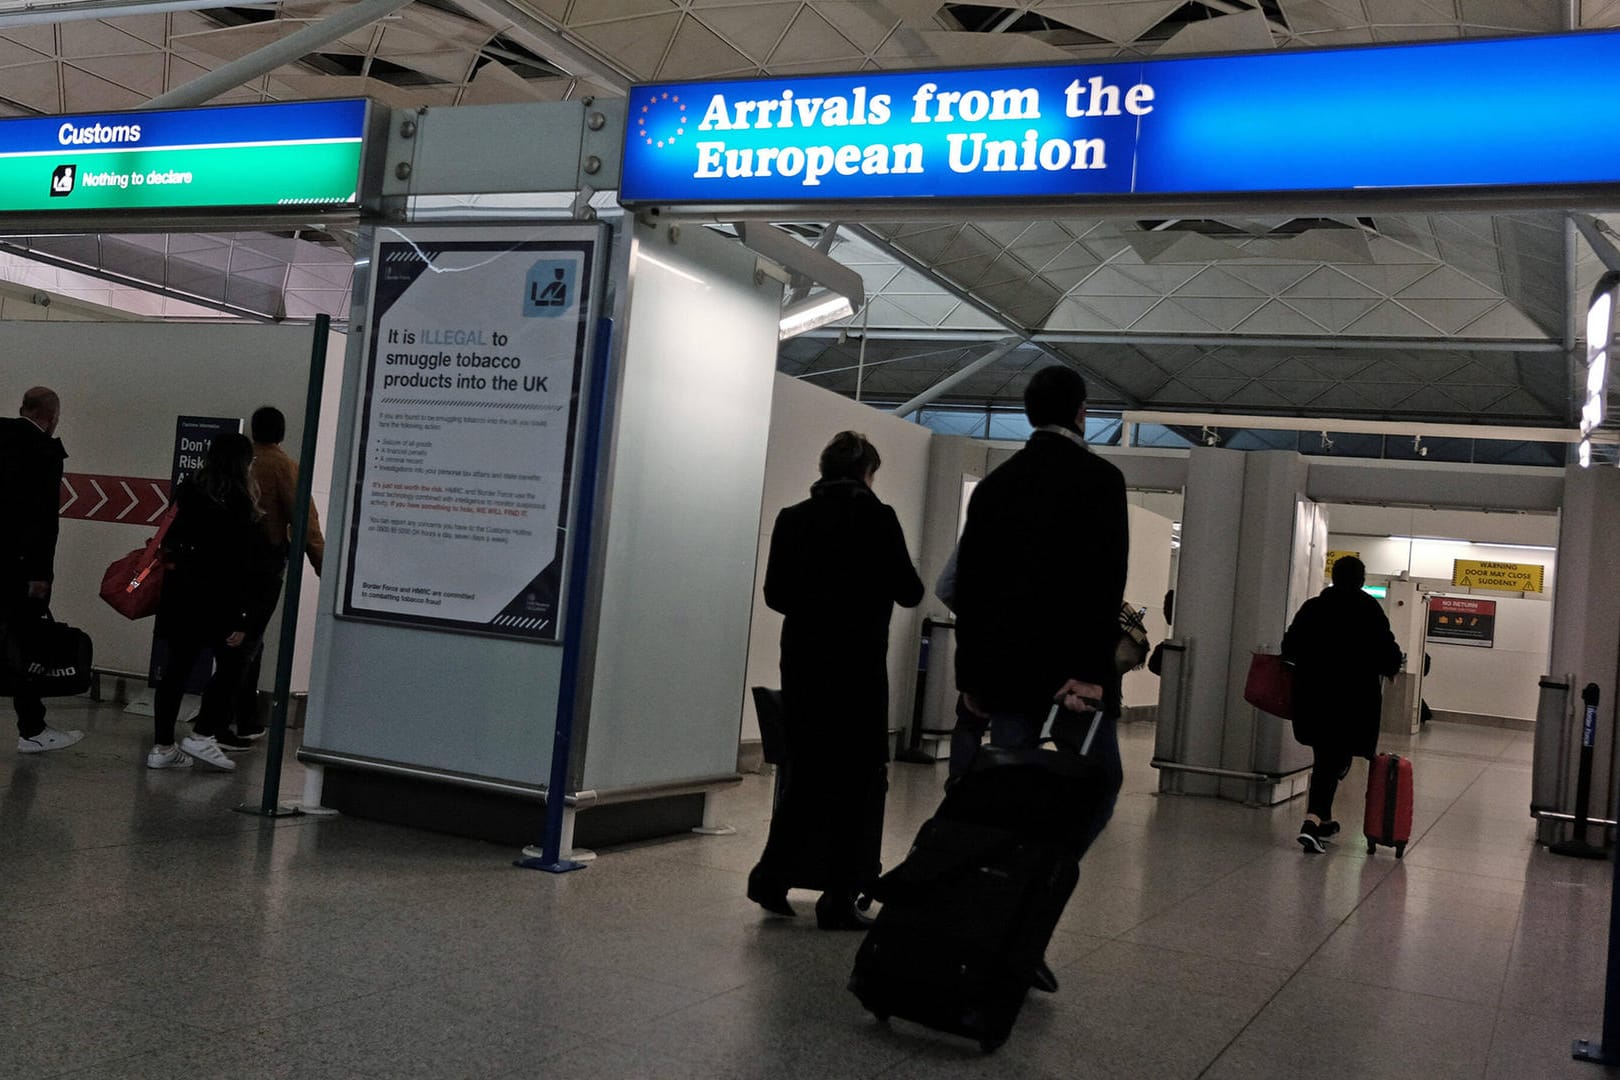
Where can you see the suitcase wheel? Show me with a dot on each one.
(1400, 850)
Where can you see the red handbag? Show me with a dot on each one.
(1270, 687)
(134, 583)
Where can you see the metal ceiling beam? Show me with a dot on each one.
(945, 385)
(908, 260)
(294, 46)
(1248, 341)
(548, 41)
(1595, 233)
(36, 14)
(1348, 426)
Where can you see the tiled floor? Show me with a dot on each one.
(147, 931)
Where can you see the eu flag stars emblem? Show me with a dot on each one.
(662, 120)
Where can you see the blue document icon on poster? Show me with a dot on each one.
(549, 289)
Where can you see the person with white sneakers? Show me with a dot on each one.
(30, 488)
(214, 586)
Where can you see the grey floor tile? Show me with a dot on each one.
(1526, 1045)
(1103, 1024)
(612, 1061)
(431, 1030)
(347, 948)
(779, 1027)
(46, 1034)
(1555, 975)
(193, 1052)
(1436, 957)
(1252, 932)
(1358, 1032)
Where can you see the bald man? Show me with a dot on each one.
(31, 459)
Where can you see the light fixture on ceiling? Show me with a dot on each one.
(813, 311)
(846, 291)
(1599, 334)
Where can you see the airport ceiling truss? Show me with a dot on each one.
(1421, 317)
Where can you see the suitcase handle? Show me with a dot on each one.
(1051, 718)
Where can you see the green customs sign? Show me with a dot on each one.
(299, 154)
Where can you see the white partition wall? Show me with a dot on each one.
(1145, 585)
(122, 386)
(803, 419)
(699, 367)
(1499, 681)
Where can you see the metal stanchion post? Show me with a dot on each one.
(912, 751)
(276, 741)
(1608, 1051)
(1579, 847)
(551, 857)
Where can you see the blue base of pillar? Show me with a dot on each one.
(561, 866)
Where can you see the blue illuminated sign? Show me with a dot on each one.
(1521, 112)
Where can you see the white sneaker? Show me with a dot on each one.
(49, 739)
(169, 757)
(207, 751)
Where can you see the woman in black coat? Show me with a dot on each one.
(1340, 645)
(838, 564)
(219, 581)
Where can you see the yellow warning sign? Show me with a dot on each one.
(1506, 576)
(1335, 556)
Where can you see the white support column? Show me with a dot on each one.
(712, 825)
(1241, 526)
(314, 785)
(1586, 633)
(566, 847)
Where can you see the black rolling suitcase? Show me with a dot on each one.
(967, 916)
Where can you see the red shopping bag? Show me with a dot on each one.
(1270, 687)
(133, 584)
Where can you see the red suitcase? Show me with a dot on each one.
(1388, 819)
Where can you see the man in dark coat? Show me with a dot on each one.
(838, 564)
(30, 489)
(1040, 579)
(1340, 644)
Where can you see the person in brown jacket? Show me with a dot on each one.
(276, 477)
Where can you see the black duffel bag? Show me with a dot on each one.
(44, 658)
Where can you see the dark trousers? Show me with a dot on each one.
(1017, 731)
(827, 830)
(1327, 769)
(30, 709)
(219, 696)
(30, 715)
(245, 709)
